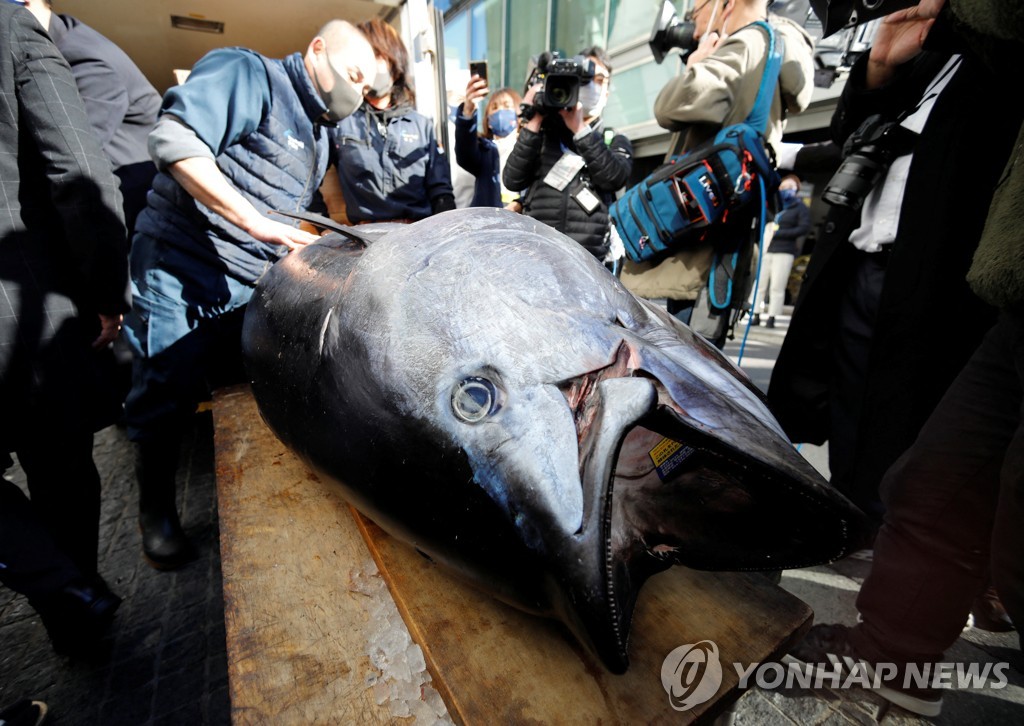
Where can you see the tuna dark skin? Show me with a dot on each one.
(482, 388)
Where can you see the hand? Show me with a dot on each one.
(275, 233)
(573, 118)
(476, 89)
(900, 38)
(538, 117)
(531, 92)
(708, 44)
(515, 206)
(110, 326)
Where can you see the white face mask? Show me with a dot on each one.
(592, 99)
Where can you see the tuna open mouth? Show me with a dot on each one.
(661, 489)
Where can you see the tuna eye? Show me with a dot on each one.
(474, 399)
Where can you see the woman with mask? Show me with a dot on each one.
(484, 154)
(390, 167)
(569, 164)
(791, 225)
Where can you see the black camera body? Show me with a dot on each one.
(838, 14)
(670, 32)
(561, 79)
(867, 155)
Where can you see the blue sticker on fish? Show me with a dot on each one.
(668, 455)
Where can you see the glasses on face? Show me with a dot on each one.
(692, 12)
(600, 79)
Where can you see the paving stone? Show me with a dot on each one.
(804, 707)
(754, 709)
(133, 707)
(185, 652)
(187, 621)
(137, 642)
(217, 673)
(175, 691)
(132, 673)
(190, 713)
(866, 712)
(192, 591)
(218, 708)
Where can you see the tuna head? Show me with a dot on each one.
(483, 388)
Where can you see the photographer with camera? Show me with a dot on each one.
(568, 163)
(887, 275)
(954, 497)
(716, 88)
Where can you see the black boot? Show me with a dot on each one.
(163, 541)
(77, 616)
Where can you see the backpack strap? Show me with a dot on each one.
(759, 114)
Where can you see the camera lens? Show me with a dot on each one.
(561, 91)
(856, 177)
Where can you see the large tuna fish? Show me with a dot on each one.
(485, 390)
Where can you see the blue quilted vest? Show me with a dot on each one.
(277, 167)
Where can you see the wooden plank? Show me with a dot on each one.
(289, 547)
(297, 625)
(495, 664)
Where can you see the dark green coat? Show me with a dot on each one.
(997, 274)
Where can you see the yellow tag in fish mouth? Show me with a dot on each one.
(667, 455)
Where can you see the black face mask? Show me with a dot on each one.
(342, 100)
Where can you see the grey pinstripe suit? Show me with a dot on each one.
(63, 260)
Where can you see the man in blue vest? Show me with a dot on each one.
(244, 135)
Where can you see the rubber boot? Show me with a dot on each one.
(164, 543)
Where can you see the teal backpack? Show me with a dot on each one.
(677, 203)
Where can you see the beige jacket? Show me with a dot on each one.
(716, 92)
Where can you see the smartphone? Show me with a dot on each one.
(478, 68)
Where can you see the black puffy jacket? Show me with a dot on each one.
(607, 168)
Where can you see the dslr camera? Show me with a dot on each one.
(670, 32)
(867, 155)
(561, 79)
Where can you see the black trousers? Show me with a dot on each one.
(858, 312)
(30, 560)
(954, 511)
(49, 404)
